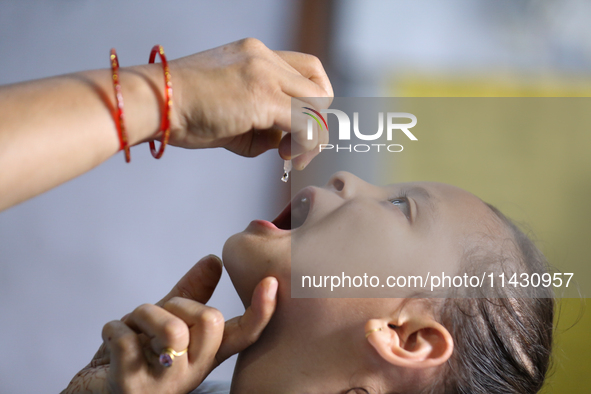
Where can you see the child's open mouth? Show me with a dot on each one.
(296, 212)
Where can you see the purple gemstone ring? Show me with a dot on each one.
(167, 356)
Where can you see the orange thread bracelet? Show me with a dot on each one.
(165, 123)
(119, 123)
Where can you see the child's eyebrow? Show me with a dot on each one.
(425, 196)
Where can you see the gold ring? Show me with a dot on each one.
(367, 334)
(167, 356)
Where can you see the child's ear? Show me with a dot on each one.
(415, 341)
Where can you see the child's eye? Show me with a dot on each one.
(403, 204)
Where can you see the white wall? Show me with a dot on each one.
(93, 249)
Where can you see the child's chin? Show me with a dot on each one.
(249, 258)
(237, 257)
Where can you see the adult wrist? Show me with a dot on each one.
(142, 90)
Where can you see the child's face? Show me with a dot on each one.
(351, 226)
(357, 227)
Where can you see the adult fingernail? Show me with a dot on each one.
(300, 165)
(210, 257)
(216, 258)
(272, 289)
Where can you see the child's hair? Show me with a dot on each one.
(501, 345)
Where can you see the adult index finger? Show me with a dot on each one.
(199, 283)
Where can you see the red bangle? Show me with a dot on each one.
(119, 123)
(165, 124)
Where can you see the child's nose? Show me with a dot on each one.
(345, 184)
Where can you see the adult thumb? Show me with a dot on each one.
(242, 331)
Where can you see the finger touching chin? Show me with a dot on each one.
(249, 258)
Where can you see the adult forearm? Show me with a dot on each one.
(54, 129)
(238, 96)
